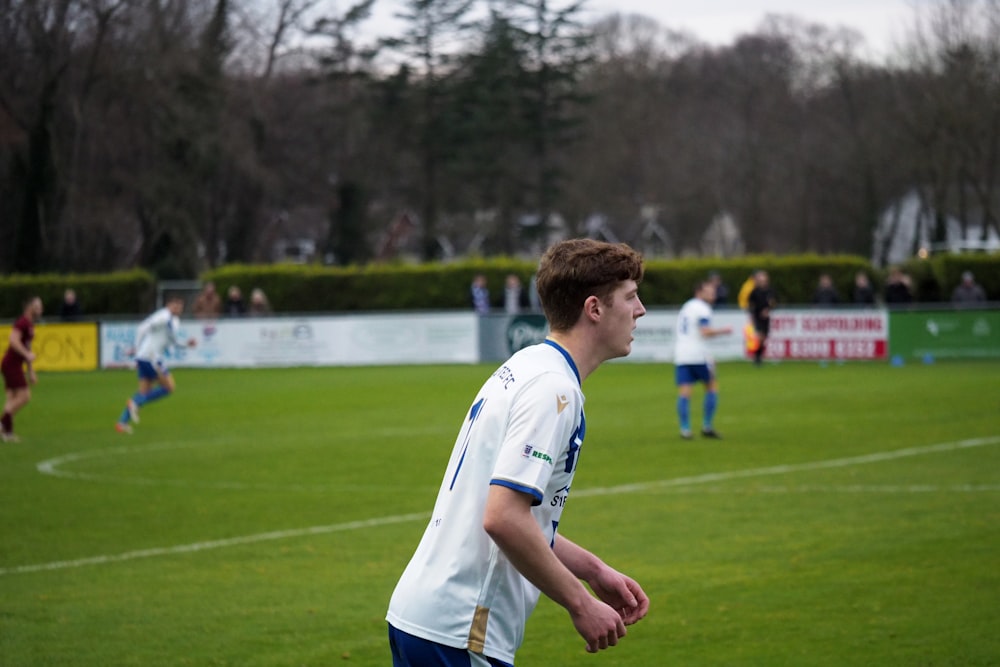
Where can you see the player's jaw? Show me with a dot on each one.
(627, 310)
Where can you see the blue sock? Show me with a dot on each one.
(684, 412)
(157, 393)
(124, 419)
(711, 401)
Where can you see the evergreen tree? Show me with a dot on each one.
(430, 39)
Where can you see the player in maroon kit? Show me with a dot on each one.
(18, 356)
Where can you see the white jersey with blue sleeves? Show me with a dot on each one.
(691, 347)
(524, 431)
(156, 334)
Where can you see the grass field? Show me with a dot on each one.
(851, 516)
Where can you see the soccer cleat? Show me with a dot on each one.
(123, 428)
(133, 411)
(9, 437)
(686, 434)
(710, 433)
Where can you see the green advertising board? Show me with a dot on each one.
(945, 334)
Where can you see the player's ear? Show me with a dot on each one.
(592, 308)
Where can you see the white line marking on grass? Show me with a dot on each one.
(876, 457)
(54, 468)
(215, 544)
(611, 490)
(847, 489)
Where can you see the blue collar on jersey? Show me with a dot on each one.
(569, 359)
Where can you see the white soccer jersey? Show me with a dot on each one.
(690, 346)
(524, 431)
(155, 334)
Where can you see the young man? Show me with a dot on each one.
(692, 361)
(18, 356)
(491, 545)
(155, 335)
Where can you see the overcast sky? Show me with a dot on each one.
(718, 22)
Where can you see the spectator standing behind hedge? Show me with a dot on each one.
(207, 305)
(897, 288)
(235, 307)
(863, 293)
(721, 290)
(514, 298)
(259, 305)
(479, 294)
(70, 310)
(826, 294)
(968, 291)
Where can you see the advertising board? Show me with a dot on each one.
(61, 347)
(828, 334)
(309, 341)
(945, 334)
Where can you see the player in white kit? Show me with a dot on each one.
(693, 361)
(156, 334)
(492, 544)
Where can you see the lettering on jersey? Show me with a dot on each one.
(561, 403)
(560, 497)
(505, 375)
(575, 442)
(529, 452)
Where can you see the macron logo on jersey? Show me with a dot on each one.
(561, 403)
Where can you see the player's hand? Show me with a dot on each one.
(33, 377)
(192, 342)
(30, 356)
(622, 593)
(599, 624)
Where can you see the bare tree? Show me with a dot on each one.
(950, 104)
(38, 42)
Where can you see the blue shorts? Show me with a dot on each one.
(148, 370)
(410, 651)
(691, 373)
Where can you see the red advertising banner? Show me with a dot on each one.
(828, 334)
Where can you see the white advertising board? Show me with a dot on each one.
(310, 341)
(431, 338)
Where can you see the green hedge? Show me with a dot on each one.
(122, 292)
(935, 279)
(793, 278)
(295, 288)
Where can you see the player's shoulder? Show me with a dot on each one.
(696, 305)
(541, 363)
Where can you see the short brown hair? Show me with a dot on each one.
(571, 271)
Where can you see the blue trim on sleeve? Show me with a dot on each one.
(531, 491)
